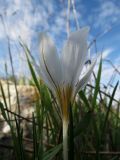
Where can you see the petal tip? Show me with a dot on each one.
(85, 29)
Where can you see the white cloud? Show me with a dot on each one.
(17, 18)
(107, 14)
(22, 18)
(106, 53)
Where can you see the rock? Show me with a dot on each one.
(28, 95)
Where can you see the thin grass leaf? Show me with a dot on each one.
(49, 155)
(4, 107)
(13, 73)
(35, 144)
(115, 158)
(4, 113)
(39, 128)
(8, 87)
(50, 109)
(19, 138)
(97, 138)
(97, 83)
(83, 124)
(108, 109)
(27, 52)
(3, 95)
(83, 97)
(116, 135)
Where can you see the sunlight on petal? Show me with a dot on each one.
(74, 55)
(49, 61)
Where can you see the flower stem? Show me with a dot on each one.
(71, 135)
(65, 139)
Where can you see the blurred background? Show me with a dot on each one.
(96, 112)
(26, 19)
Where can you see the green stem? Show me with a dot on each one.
(71, 135)
(65, 139)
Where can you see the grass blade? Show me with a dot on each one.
(97, 83)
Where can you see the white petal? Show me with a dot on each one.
(74, 55)
(49, 61)
(84, 80)
(42, 75)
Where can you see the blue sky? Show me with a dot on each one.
(27, 18)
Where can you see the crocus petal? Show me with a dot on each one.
(74, 55)
(39, 72)
(84, 80)
(43, 76)
(49, 62)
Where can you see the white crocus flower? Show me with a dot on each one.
(61, 73)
